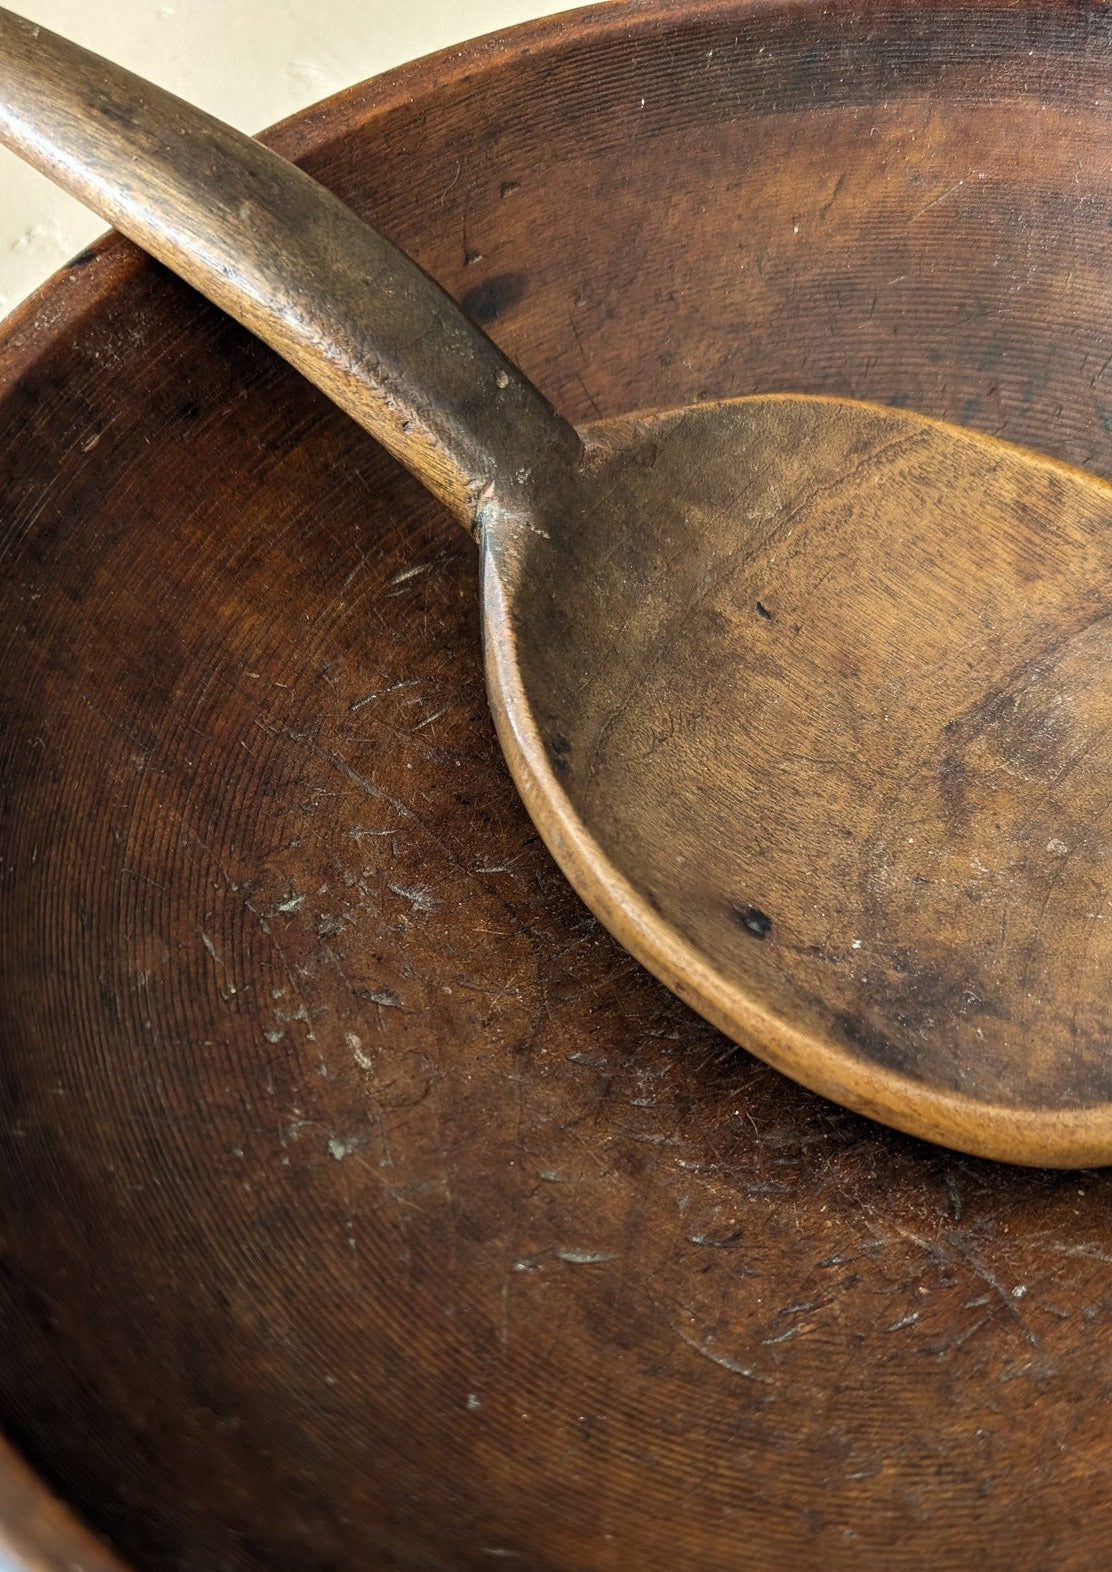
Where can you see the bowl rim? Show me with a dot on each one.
(39, 1531)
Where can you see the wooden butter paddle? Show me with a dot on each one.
(809, 698)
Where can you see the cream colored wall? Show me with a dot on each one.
(249, 61)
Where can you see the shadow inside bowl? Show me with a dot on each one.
(367, 1205)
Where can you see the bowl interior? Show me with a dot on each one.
(366, 1204)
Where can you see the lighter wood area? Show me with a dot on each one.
(821, 692)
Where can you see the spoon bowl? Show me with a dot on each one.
(807, 697)
(889, 627)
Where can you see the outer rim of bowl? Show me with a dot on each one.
(38, 1531)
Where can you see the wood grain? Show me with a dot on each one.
(539, 1264)
(939, 669)
(814, 716)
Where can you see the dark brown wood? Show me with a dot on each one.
(927, 717)
(539, 1263)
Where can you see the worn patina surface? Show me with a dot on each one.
(367, 1204)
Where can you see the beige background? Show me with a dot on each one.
(249, 61)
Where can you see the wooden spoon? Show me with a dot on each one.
(809, 698)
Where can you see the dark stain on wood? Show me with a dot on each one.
(294, 1279)
(753, 920)
(488, 301)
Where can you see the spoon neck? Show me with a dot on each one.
(292, 263)
(499, 450)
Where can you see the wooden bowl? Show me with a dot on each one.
(366, 1205)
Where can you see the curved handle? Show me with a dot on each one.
(288, 260)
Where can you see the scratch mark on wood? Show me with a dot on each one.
(403, 575)
(394, 687)
(722, 1360)
(784, 1337)
(419, 896)
(934, 201)
(906, 1320)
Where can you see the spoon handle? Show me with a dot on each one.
(292, 263)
